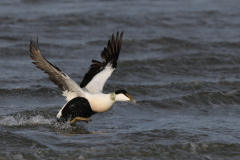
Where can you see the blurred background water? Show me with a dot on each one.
(180, 60)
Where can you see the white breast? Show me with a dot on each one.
(99, 102)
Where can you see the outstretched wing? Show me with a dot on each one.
(98, 74)
(66, 84)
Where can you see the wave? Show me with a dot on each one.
(226, 44)
(41, 116)
(31, 92)
(199, 59)
(8, 38)
(194, 150)
(206, 150)
(17, 121)
(199, 100)
(197, 94)
(39, 120)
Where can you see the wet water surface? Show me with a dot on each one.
(179, 60)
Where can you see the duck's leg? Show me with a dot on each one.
(80, 119)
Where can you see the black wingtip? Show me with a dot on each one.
(37, 44)
(121, 35)
(33, 45)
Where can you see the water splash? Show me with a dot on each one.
(16, 121)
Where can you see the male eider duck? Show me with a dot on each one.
(87, 99)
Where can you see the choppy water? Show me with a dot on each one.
(180, 60)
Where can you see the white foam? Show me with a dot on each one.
(15, 121)
(81, 157)
(62, 126)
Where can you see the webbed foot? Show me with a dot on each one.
(80, 119)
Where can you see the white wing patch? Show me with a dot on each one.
(70, 95)
(74, 90)
(98, 81)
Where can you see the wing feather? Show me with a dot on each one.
(65, 83)
(113, 44)
(98, 73)
(104, 56)
(109, 47)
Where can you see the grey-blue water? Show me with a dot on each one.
(180, 60)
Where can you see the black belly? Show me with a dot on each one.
(77, 107)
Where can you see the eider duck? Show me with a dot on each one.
(87, 99)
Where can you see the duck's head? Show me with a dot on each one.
(121, 95)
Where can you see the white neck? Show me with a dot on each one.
(119, 97)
